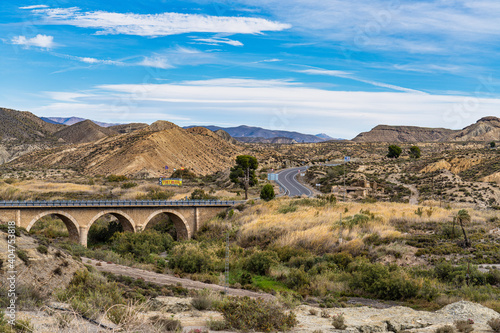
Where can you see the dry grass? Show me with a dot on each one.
(319, 228)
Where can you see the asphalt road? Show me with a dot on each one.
(288, 181)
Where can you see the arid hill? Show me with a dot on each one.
(128, 128)
(22, 132)
(277, 140)
(385, 133)
(143, 153)
(84, 131)
(485, 129)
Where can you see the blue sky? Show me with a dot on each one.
(338, 67)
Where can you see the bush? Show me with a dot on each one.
(128, 185)
(297, 278)
(260, 262)
(494, 324)
(191, 258)
(199, 194)
(216, 325)
(382, 282)
(338, 321)
(267, 192)
(101, 231)
(256, 314)
(166, 324)
(445, 329)
(42, 249)
(464, 326)
(115, 178)
(201, 303)
(23, 256)
(141, 245)
(394, 151)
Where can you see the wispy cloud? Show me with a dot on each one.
(155, 25)
(259, 102)
(218, 41)
(39, 40)
(34, 7)
(157, 61)
(347, 75)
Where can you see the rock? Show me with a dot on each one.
(174, 304)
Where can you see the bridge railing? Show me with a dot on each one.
(117, 203)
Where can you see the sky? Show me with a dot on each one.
(336, 66)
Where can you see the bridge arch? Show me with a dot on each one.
(124, 219)
(180, 223)
(68, 220)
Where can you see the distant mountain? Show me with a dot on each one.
(73, 120)
(258, 132)
(485, 129)
(278, 140)
(325, 137)
(128, 128)
(84, 131)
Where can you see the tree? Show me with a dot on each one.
(493, 144)
(267, 192)
(243, 173)
(415, 152)
(394, 151)
(462, 218)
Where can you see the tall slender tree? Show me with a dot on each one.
(463, 217)
(243, 173)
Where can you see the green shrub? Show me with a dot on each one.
(23, 256)
(260, 262)
(192, 258)
(101, 231)
(199, 194)
(297, 278)
(166, 324)
(116, 178)
(382, 282)
(216, 325)
(256, 314)
(128, 185)
(42, 249)
(90, 294)
(201, 303)
(267, 192)
(141, 245)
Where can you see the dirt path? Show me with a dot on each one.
(414, 191)
(164, 279)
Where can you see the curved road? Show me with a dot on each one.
(287, 179)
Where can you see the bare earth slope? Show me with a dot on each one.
(385, 133)
(84, 131)
(143, 153)
(485, 129)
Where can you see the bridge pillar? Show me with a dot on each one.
(18, 218)
(84, 231)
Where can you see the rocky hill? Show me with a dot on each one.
(225, 135)
(84, 131)
(485, 129)
(385, 133)
(73, 120)
(143, 153)
(128, 128)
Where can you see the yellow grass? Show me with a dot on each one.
(319, 228)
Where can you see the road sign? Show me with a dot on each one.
(347, 158)
(170, 181)
(166, 167)
(272, 176)
(182, 168)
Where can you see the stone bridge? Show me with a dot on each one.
(133, 215)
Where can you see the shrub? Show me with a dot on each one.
(101, 231)
(23, 256)
(199, 194)
(394, 151)
(201, 303)
(42, 249)
(115, 178)
(297, 278)
(445, 329)
(382, 282)
(166, 324)
(464, 326)
(141, 245)
(494, 324)
(128, 185)
(216, 325)
(191, 258)
(256, 314)
(260, 262)
(338, 321)
(267, 192)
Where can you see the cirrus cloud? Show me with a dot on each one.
(39, 40)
